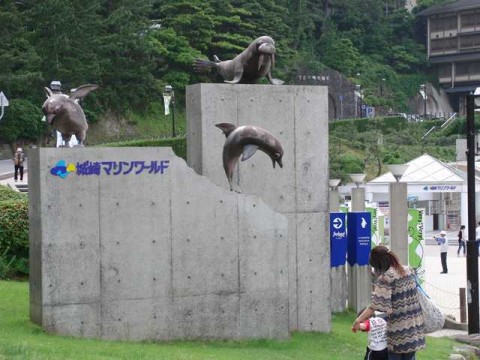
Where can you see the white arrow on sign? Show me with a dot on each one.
(3, 102)
(363, 223)
(337, 223)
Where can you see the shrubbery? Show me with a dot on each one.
(14, 241)
(178, 144)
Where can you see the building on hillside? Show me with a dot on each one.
(453, 47)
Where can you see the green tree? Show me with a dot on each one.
(22, 122)
(340, 54)
(19, 61)
(66, 35)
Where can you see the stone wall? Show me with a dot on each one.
(132, 244)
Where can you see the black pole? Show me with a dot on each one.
(472, 247)
(173, 115)
(425, 105)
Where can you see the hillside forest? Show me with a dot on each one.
(132, 49)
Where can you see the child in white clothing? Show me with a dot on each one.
(376, 327)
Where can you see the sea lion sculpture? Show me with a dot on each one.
(254, 63)
(64, 113)
(247, 140)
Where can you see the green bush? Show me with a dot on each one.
(178, 144)
(8, 194)
(14, 242)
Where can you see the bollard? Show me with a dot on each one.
(463, 305)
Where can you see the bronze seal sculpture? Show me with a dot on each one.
(254, 63)
(245, 141)
(64, 113)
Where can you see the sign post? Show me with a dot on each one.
(359, 243)
(338, 257)
(3, 103)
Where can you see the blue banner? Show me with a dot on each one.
(359, 237)
(338, 239)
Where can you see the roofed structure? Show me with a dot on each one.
(425, 169)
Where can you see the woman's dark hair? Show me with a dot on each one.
(462, 227)
(382, 258)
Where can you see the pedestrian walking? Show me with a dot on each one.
(443, 242)
(18, 159)
(461, 240)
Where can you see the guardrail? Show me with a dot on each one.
(447, 123)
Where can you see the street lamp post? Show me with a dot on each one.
(56, 86)
(358, 95)
(423, 92)
(381, 87)
(338, 274)
(399, 213)
(3, 102)
(169, 97)
(359, 278)
(472, 246)
(334, 196)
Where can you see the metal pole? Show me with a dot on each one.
(356, 106)
(425, 106)
(472, 247)
(173, 115)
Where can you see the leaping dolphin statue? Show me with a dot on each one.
(245, 141)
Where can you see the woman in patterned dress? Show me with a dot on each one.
(395, 294)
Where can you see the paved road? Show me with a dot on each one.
(6, 166)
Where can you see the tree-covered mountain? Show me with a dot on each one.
(133, 48)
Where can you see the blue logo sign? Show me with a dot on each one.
(338, 239)
(61, 169)
(359, 237)
(114, 168)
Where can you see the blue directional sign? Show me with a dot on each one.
(359, 237)
(338, 239)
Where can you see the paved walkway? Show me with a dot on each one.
(444, 288)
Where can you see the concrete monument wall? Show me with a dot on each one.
(298, 116)
(132, 244)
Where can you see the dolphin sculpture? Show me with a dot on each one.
(245, 141)
(254, 63)
(64, 113)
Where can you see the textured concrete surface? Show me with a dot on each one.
(359, 278)
(298, 116)
(399, 220)
(151, 256)
(338, 283)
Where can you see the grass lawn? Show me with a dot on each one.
(20, 339)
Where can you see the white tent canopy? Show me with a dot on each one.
(424, 174)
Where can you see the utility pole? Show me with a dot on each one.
(472, 247)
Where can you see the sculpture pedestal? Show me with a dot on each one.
(297, 115)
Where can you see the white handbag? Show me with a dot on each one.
(433, 317)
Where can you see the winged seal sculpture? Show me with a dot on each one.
(253, 64)
(64, 113)
(245, 141)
